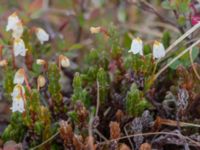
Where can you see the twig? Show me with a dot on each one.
(98, 99)
(13, 58)
(90, 141)
(170, 122)
(26, 81)
(164, 25)
(101, 135)
(127, 135)
(153, 10)
(48, 140)
(153, 133)
(177, 57)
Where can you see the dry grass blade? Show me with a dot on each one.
(155, 133)
(194, 28)
(98, 99)
(176, 58)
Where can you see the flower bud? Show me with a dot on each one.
(41, 81)
(40, 62)
(42, 35)
(64, 61)
(19, 77)
(3, 63)
(95, 30)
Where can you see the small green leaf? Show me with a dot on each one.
(76, 46)
(175, 64)
(147, 49)
(166, 39)
(181, 20)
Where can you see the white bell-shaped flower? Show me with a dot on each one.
(18, 104)
(18, 30)
(19, 77)
(19, 47)
(42, 35)
(158, 50)
(13, 19)
(64, 61)
(18, 90)
(136, 46)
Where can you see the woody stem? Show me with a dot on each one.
(13, 58)
(26, 81)
(1, 56)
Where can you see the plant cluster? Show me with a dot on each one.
(117, 98)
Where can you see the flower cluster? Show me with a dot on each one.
(137, 48)
(18, 94)
(15, 25)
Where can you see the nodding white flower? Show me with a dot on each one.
(158, 50)
(18, 30)
(136, 46)
(40, 62)
(42, 35)
(3, 63)
(18, 105)
(18, 98)
(19, 77)
(41, 81)
(19, 47)
(95, 30)
(18, 90)
(64, 61)
(13, 19)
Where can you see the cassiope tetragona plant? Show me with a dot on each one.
(135, 102)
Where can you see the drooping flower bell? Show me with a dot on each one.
(41, 81)
(17, 30)
(158, 50)
(13, 19)
(64, 61)
(19, 47)
(19, 77)
(18, 98)
(18, 90)
(40, 62)
(42, 35)
(137, 46)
